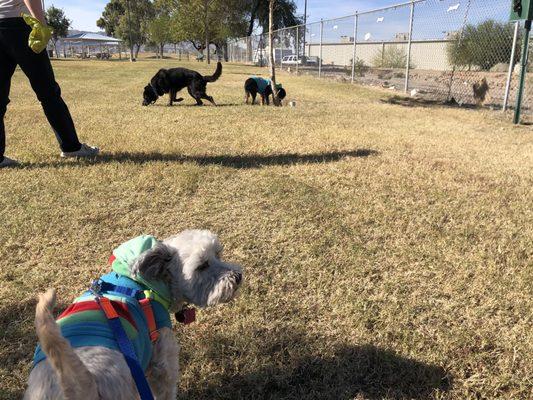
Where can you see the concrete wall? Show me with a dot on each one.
(430, 55)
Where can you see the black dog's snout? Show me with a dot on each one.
(238, 277)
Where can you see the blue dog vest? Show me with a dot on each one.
(85, 324)
(262, 84)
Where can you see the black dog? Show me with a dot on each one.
(173, 80)
(263, 86)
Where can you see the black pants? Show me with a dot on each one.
(14, 51)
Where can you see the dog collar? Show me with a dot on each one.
(186, 316)
(154, 90)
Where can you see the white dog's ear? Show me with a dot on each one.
(154, 263)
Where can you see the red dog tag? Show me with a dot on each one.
(186, 316)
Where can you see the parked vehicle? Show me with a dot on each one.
(311, 60)
(291, 60)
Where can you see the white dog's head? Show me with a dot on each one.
(190, 264)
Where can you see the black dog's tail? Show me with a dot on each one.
(216, 75)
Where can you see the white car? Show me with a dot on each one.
(291, 60)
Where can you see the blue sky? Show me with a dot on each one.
(436, 19)
(84, 13)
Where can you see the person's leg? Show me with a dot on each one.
(38, 69)
(7, 68)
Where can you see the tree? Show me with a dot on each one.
(129, 20)
(207, 22)
(483, 45)
(113, 12)
(258, 12)
(56, 18)
(160, 29)
(160, 32)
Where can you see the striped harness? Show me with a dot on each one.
(121, 313)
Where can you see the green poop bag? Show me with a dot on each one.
(39, 35)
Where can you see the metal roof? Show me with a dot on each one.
(91, 37)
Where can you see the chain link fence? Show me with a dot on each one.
(456, 51)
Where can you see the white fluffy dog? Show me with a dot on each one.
(189, 264)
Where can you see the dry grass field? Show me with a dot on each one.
(388, 248)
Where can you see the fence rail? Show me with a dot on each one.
(462, 51)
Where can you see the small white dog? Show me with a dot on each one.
(73, 365)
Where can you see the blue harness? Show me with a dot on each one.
(124, 343)
(149, 316)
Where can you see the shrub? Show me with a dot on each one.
(391, 57)
(360, 67)
(482, 46)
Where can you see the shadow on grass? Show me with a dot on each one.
(264, 364)
(182, 104)
(249, 161)
(291, 371)
(7, 394)
(17, 334)
(18, 340)
(427, 103)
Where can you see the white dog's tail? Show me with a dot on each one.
(75, 379)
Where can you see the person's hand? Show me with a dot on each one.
(40, 34)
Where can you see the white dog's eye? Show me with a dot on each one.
(203, 266)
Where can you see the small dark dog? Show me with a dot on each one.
(171, 81)
(256, 85)
(481, 90)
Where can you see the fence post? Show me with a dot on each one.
(356, 21)
(297, 49)
(511, 67)
(410, 39)
(523, 71)
(452, 76)
(320, 52)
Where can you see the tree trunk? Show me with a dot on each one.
(206, 26)
(162, 50)
(253, 16)
(138, 48)
(54, 42)
(132, 51)
(132, 58)
(271, 52)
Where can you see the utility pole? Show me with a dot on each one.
(305, 27)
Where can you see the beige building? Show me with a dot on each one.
(426, 54)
